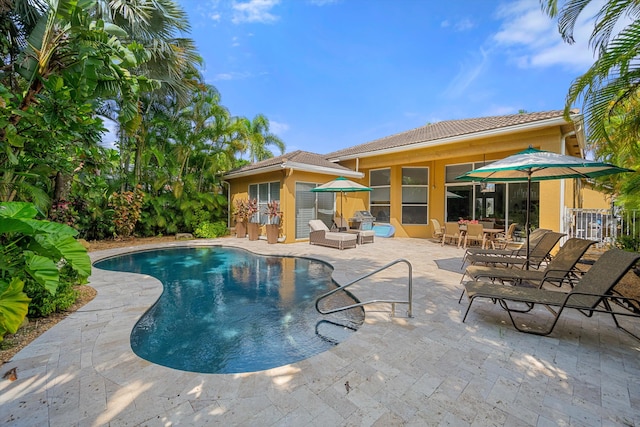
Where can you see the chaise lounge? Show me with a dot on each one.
(594, 293)
(321, 235)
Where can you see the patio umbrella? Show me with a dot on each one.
(537, 165)
(340, 185)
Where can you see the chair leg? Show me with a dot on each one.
(461, 295)
(468, 308)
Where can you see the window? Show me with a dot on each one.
(415, 195)
(503, 203)
(264, 193)
(380, 200)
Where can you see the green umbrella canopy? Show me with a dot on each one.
(340, 185)
(538, 165)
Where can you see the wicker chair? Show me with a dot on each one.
(503, 240)
(321, 235)
(437, 229)
(451, 232)
(475, 233)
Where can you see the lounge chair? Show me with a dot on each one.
(539, 254)
(592, 294)
(339, 223)
(513, 249)
(451, 232)
(561, 269)
(321, 235)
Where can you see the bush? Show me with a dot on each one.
(43, 303)
(210, 230)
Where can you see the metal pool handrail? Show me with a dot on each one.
(360, 304)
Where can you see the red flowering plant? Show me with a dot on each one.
(273, 212)
(252, 210)
(241, 210)
(462, 221)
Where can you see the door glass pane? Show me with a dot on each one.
(518, 204)
(305, 208)
(459, 202)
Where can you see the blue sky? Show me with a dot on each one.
(332, 74)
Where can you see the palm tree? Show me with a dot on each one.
(258, 137)
(614, 78)
(70, 54)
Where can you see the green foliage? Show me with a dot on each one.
(127, 209)
(13, 305)
(210, 230)
(39, 256)
(628, 243)
(43, 302)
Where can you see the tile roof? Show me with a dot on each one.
(447, 129)
(298, 156)
(431, 133)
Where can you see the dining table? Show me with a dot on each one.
(491, 233)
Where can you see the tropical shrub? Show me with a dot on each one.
(36, 256)
(210, 230)
(127, 210)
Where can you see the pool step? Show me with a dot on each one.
(335, 332)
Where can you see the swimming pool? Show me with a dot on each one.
(227, 310)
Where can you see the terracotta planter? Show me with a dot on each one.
(253, 228)
(272, 233)
(241, 229)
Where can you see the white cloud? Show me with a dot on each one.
(464, 25)
(278, 128)
(531, 39)
(254, 11)
(467, 75)
(233, 75)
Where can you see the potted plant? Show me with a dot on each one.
(241, 215)
(253, 228)
(274, 217)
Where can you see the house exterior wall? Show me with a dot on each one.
(553, 193)
(478, 150)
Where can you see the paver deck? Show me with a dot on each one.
(430, 369)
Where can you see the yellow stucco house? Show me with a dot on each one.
(413, 173)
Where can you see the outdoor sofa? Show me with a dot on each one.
(321, 235)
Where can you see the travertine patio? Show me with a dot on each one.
(427, 370)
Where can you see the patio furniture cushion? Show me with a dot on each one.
(364, 236)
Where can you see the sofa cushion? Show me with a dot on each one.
(345, 237)
(317, 225)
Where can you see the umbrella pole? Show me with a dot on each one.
(526, 264)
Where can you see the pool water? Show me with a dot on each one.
(226, 310)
